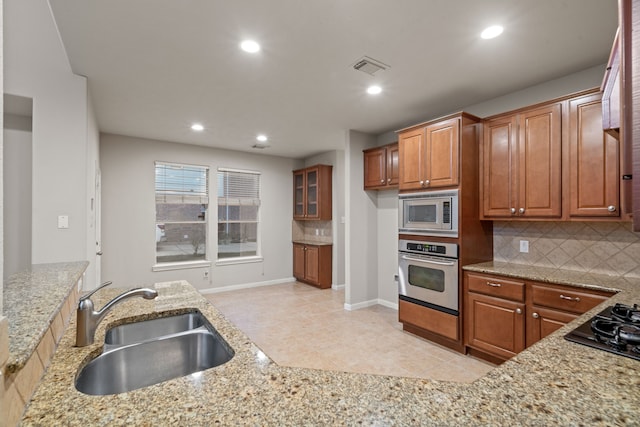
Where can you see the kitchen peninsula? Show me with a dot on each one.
(552, 382)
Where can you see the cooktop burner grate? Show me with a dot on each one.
(615, 329)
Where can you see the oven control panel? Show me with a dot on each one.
(438, 249)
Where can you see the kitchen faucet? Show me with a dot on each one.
(89, 319)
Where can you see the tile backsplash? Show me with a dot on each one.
(597, 247)
(317, 231)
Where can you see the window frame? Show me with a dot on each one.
(187, 264)
(241, 259)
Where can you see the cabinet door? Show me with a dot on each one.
(442, 143)
(540, 162)
(298, 194)
(494, 325)
(593, 162)
(543, 321)
(375, 166)
(393, 165)
(312, 264)
(498, 168)
(412, 155)
(311, 193)
(298, 261)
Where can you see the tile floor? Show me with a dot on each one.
(302, 326)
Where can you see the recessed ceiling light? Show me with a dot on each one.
(250, 46)
(492, 32)
(374, 90)
(197, 127)
(262, 138)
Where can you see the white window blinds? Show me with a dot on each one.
(239, 188)
(181, 184)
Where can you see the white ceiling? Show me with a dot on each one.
(156, 66)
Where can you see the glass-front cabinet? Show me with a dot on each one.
(312, 193)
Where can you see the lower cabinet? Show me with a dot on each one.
(312, 264)
(503, 316)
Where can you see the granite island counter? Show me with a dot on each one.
(553, 382)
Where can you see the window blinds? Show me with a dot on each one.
(240, 188)
(181, 184)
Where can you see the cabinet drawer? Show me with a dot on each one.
(496, 286)
(571, 300)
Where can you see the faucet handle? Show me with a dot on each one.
(87, 296)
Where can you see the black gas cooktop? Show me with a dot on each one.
(615, 329)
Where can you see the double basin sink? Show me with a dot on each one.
(144, 353)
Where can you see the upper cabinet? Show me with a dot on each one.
(381, 167)
(593, 162)
(521, 164)
(429, 155)
(312, 193)
(611, 91)
(552, 161)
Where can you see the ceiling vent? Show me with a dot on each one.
(369, 65)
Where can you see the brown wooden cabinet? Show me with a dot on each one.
(552, 306)
(381, 167)
(312, 264)
(521, 161)
(429, 155)
(593, 161)
(504, 315)
(312, 193)
(494, 315)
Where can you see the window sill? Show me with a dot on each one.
(167, 266)
(243, 260)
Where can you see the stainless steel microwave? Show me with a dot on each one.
(432, 213)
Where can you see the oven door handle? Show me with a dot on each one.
(408, 258)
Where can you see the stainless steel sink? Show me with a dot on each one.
(132, 364)
(136, 332)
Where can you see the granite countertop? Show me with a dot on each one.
(31, 299)
(312, 242)
(554, 382)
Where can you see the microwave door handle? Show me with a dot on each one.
(408, 258)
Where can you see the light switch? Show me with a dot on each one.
(524, 246)
(63, 221)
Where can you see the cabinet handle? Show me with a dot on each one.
(576, 299)
(611, 208)
(521, 210)
(382, 181)
(518, 311)
(422, 183)
(388, 179)
(513, 210)
(495, 285)
(535, 315)
(427, 182)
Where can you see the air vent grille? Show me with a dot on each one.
(369, 65)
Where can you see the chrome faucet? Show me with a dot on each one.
(89, 319)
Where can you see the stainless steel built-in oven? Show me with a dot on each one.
(428, 274)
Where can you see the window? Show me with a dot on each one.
(238, 208)
(182, 200)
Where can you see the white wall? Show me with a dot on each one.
(362, 227)
(17, 193)
(36, 67)
(128, 212)
(387, 234)
(92, 237)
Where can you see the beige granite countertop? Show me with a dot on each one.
(312, 242)
(31, 300)
(554, 382)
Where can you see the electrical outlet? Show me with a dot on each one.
(206, 274)
(524, 246)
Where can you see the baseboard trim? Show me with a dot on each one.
(370, 303)
(246, 286)
(337, 287)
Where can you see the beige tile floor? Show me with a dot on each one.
(302, 326)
